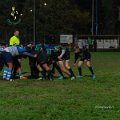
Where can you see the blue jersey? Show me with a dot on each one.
(1, 49)
(49, 46)
(15, 50)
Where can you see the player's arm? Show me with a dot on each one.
(25, 51)
(62, 53)
(29, 54)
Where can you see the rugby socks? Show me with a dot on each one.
(71, 72)
(80, 71)
(59, 70)
(20, 74)
(91, 70)
(5, 73)
(9, 73)
(53, 68)
(43, 74)
(14, 71)
(50, 76)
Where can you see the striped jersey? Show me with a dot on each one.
(13, 50)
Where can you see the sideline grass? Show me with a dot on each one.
(81, 99)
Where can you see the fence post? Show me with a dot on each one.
(118, 42)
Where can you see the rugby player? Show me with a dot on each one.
(85, 58)
(63, 61)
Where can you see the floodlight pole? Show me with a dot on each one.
(34, 26)
(96, 17)
(93, 7)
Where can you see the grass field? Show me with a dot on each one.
(81, 99)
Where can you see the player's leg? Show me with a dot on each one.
(53, 67)
(80, 63)
(20, 68)
(42, 61)
(15, 67)
(7, 57)
(67, 65)
(42, 71)
(54, 58)
(66, 57)
(61, 77)
(9, 71)
(48, 70)
(88, 63)
(62, 67)
(33, 68)
(1, 63)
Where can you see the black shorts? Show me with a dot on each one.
(86, 56)
(83, 59)
(1, 63)
(7, 57)
(42, 57)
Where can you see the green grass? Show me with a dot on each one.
(81, 99)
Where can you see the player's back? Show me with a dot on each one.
(13, 50)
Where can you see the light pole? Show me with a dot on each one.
(96, 17)
(93, 7)
(44, 4)
(118, 13)
(34, 26)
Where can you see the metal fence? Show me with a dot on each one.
(99, 42)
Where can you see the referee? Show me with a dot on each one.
(14, 40)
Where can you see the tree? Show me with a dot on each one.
(109, 16)
(62, 16)
(53, 18)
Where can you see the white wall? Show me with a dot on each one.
(102, 43)
(107, 43)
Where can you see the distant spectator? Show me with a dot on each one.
(83, 42)
(89, 41)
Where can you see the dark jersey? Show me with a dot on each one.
(66, 55)
(42, 57)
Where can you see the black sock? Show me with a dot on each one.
(53, 68)
(59, 70)
(80, 71)
(71, 72)
(50, 76)
(43, 74)
(15, 71)
(91, 70)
